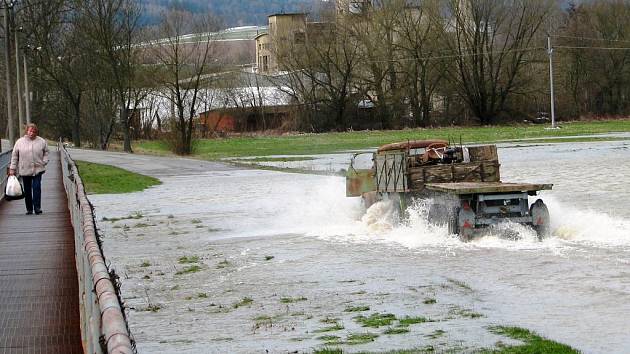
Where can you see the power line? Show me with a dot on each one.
(529, 49)
(596, 48)
(593, 39)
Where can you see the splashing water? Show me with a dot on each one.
(380, 223)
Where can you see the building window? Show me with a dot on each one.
(265, 62)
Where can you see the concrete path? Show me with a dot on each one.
(39, 292)
(156, 166)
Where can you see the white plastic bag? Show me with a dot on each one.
(14, 189)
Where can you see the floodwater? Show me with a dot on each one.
(282, 257)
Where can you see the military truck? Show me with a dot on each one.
(461, 183)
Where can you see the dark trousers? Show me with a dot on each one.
(33, 192)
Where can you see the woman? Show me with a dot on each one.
(29, 158)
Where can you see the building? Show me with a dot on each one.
(283, 28)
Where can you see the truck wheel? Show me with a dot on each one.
(540, 219)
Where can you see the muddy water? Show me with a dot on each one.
(304, 254)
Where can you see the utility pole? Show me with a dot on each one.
(7, 60)
(18, 81)
(553, 110)
(27, 93)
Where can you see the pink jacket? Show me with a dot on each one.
(29, 156)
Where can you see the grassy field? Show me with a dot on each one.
(105, 179)
(307, 144)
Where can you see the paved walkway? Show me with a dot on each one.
(39, 292)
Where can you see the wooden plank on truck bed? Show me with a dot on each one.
(486, 187)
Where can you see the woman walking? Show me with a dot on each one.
(29, 159)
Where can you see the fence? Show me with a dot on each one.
(5, 159)
(103, 325)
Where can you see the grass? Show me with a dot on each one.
(327, 350)
(403, 322)
(533, 343)
(145, 264)
(290, 300)
(187, 260)
(246, 301)
(429, 301)
(105, 179)
(308, 144)
(333, 328)
(376, 320)
(192, 269)
(359, 308)
(396, 330)
(360, 338)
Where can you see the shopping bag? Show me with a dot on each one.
(14, 190)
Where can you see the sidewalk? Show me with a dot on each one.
(39, 293)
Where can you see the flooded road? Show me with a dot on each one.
(220, 259)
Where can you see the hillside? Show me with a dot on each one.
(233, 13)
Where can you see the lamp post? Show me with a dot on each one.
(7, 60)
(18, 80)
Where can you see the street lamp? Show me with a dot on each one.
(7, 57)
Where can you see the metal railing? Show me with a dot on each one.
(103, 325)
(5, 160)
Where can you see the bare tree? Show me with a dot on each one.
(112, 27)
(420, 31)
(184, 60)
(64, 57)
(322, 72)
(493, 41)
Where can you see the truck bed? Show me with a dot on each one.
(485, 187)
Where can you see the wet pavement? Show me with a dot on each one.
(223, 259)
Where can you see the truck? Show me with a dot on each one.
(462, 185)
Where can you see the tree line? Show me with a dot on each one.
(437, 62)
(93, 67)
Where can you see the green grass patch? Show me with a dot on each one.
(246, 301)
(360, 338)
(290, 300)
(329, 338)
(533, 343)
(429, 301)
(307, 144)
(145, 264)
(187, 270)
(186, 259)
(359, 308)
(376, 320)
(396, 330)
(333, 328)
(403, 322)
(268, 258)
(327, 350)
(105, 179)
(224, 263)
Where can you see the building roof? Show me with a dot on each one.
(289, 14)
